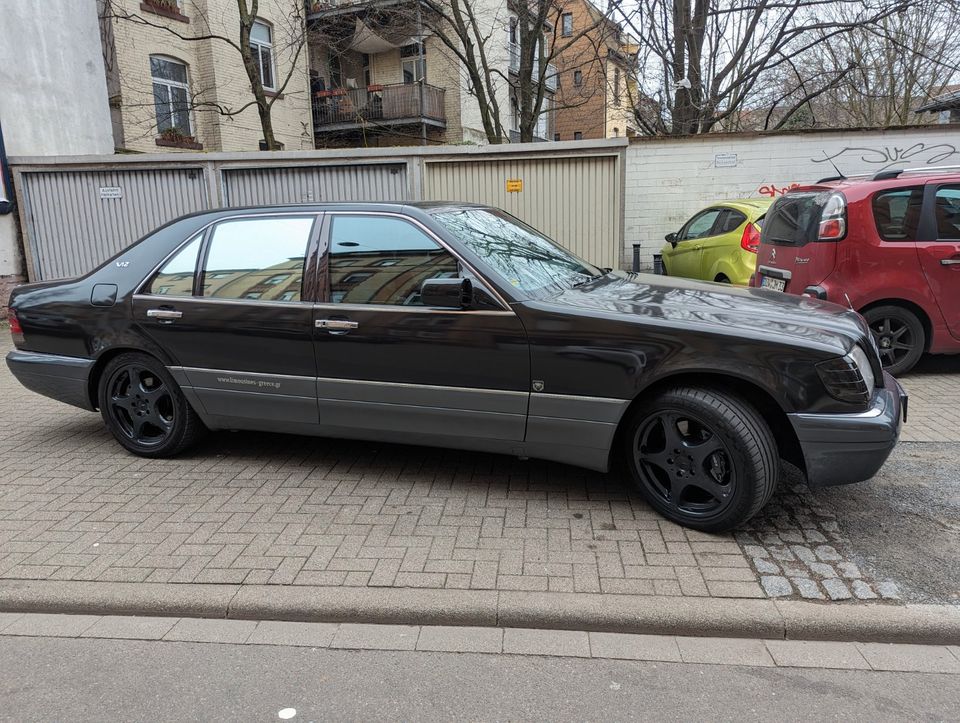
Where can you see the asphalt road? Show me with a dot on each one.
(905, 523)
(97, 680)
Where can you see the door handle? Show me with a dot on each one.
(164, 314)
(949, 262)
(336, 324)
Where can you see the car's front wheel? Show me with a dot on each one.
(144, 408)
(703, 458)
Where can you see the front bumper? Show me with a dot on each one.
(64, 378)
(840, 449)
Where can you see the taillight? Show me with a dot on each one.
(833, 219)
(16, 331)
(750, 241)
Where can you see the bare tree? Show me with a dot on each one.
(290, 32)
(704, 62)
(535, 42)
(901, 61)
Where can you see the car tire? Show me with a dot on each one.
(715, 470)
(144, 408)
(900, 337)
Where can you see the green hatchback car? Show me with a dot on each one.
(719, 243)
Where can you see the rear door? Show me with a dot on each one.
(229, 306)
(686, 257)
(388, 364)
(939, 249)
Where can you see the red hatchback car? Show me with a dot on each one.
(887, 246)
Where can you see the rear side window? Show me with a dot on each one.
(794, 219)
(947, 209)
(175, 278)
(257, 258)
(730, 222)
(897, 213)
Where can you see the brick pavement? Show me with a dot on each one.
(934, 389)
(270, 509)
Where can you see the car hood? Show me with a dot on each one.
(721, 308)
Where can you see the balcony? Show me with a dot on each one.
(551, 75)
(323, 9)
(379, 105)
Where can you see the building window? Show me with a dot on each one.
(556, 136)
(367, 78)
(336, 71)
(577, 78)
(578, 136)
(171, 95)
(616, 87)
(261, 45)
(567, 25)
(414, 63)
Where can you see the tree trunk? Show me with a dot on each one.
(264, 107)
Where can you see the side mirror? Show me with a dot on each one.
(671, 238)
(447, 293)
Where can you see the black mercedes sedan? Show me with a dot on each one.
(459, 326)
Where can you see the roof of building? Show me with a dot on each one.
(949, 100)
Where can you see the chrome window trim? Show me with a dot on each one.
(202, 231)
(440, 242)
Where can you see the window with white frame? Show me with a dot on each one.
(171, 94)
(413, 63)
(261, 45)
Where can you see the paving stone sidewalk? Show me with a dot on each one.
(269, 509)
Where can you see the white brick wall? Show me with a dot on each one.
(667, 180)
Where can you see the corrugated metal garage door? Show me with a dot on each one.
(574, 200)
(310, 184)
(78, 219)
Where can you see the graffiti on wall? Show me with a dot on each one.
(772, 190)
(884, 157)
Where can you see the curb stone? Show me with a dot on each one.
(650, 614)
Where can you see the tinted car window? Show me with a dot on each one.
(794, 219)
(257, 258)
(700, 225)
(897, 213)
(730, 221)
(383, 260)
(175, 278)
(947, 209)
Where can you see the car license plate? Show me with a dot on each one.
(768, 282)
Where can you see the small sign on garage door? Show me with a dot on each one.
(111, 192)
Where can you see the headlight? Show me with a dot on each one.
(860, 359)
(849, 378)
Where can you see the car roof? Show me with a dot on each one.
(871, 183)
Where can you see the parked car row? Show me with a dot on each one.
(887, 246)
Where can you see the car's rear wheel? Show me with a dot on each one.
(900, 337)
(144, 408)
(703, 458)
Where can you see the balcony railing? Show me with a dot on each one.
(379, 104)
(550, 82)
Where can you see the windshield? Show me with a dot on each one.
(524, 258)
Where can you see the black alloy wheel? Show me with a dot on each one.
(702, 457)
(144, 408)
(899, 335)
(685, 463)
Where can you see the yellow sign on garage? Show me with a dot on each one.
(514, 185)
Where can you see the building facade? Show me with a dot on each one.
(597, 73)
(381, 74)
(175, 82)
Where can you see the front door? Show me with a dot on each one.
(386, 363)
(689, 250)
(228, 308)
(940, 258)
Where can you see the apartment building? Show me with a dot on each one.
(381, 75)
(597, 71)
(174, 85)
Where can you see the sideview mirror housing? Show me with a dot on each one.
(671, 238)
(447, 293)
